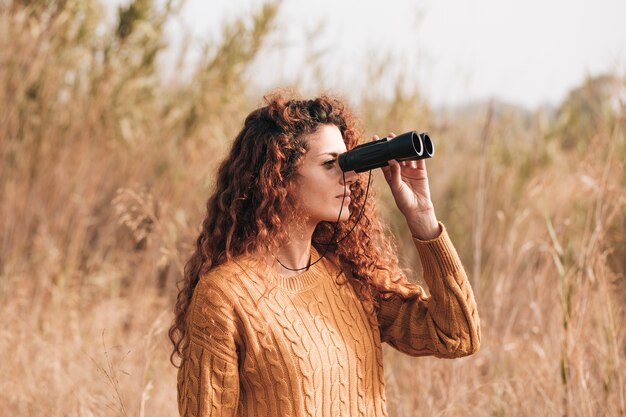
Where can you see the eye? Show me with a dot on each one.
(330, 163)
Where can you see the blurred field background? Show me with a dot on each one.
(105, 169)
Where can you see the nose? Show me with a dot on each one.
(350, 177)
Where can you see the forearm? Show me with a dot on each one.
(452, 307)
(446, 324)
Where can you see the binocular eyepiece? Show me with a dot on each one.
(409, 146)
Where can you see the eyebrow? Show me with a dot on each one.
(335, 154)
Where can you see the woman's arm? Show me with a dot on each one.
(208, 379)
(446, 324)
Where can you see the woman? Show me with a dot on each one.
(287, 298)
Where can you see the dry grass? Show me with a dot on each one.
(97, 160)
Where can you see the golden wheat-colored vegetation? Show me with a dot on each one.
(104, 173)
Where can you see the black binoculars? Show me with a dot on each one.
(409, 146)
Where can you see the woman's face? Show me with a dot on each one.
(320, 182)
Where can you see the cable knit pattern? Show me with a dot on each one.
(446, 324)
(303, 346)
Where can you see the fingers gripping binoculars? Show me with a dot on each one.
(409, 146)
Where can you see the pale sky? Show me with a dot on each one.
(526, 52)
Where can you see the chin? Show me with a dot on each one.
(345, 215)
(332, 215)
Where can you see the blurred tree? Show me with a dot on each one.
(589, 109)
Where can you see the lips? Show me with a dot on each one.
(341, 195)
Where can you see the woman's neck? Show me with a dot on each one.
(295, 252)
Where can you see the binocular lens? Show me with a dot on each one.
(409, 146)
(429, 148)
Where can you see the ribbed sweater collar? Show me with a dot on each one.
(304, 280)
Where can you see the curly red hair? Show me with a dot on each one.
(254, 198)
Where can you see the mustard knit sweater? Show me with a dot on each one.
(307, 348)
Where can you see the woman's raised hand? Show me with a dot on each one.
(408, 181)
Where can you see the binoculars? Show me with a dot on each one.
(409, 146)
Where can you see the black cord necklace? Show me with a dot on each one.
(327, 245)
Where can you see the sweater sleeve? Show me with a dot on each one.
(208, 379)
(446, 324)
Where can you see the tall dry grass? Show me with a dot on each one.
(104, 173)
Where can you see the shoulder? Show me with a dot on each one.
(220, 279)
(225, 286)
